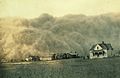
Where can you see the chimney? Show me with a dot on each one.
(103, 42)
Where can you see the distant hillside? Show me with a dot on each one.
(20, 37)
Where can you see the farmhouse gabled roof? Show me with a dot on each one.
(103, 46)
(92, 48)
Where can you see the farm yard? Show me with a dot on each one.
(70, 68)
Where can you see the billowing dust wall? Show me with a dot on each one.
(20, 37)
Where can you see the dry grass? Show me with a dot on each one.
(72, 68)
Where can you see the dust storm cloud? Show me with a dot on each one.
(20, 37)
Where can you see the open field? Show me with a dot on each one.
(70, 68)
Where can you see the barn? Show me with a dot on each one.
(100, 50)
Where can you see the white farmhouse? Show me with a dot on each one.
(101, 50)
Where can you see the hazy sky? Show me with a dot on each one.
(33, 8)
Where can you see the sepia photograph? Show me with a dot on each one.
(59, 38)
